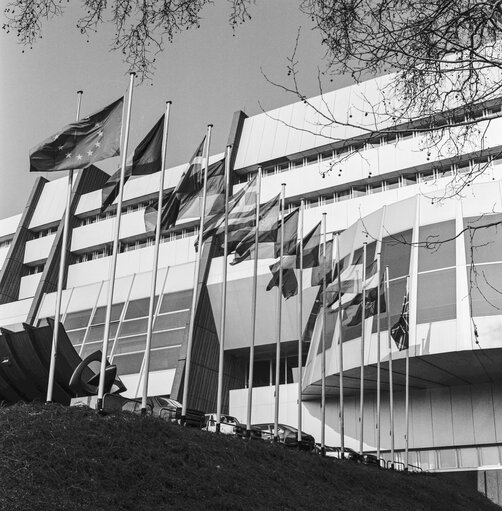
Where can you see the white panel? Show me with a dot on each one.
(48, 306)
(9, 225)
(14, 312)
(160, 383)
(483, 414)
(38, 249)
(52, 202)
(295, 133)
(463, 425)
(28, 285)
(82, 298)
(481, 199)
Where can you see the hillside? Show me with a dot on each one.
(55, 458)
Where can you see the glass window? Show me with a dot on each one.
(396, 250)
(173, 320)
(139, 308)
(128, 364)
(486, 284)
(390, 184)
(436, 296)
(468, 457)
(96, 332)
(261, 373)
(358, 191)
(428, 460)
(164, 359)
(100, 314)
(375, 187)
(135, 326)
(342, 195)
(170, 338)
(438, 253)
(130, 344)
(397, 289)
(76, 336)
(489, 455)
(447, 458)
(176, 301)
(410, 179)
(76, 320)
(484, 244)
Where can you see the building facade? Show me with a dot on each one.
(388, 188)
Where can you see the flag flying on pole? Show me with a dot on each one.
(318, 271)
(81, 143)
(400, 331)
(267, 234)
(146, 159)
(289, 258)
(190, 184)
(311, 245)
(241, 218)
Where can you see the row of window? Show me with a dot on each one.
(111, 214)
(44, 232)
(446, 459)
(135, 245)
(4, 244)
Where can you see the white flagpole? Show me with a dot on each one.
(279, 319)
(341, 414)
(378, 359)
(113, 268)
(323, 340)
(219, 397)
(191, 326)
(62, 265)
(253, 310)
(361, 394)
(391, 386)
(407, 393)
(300, 321)
(155, 266)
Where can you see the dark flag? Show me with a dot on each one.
(190, 184)
(81, 143)
(311, 246)
(318, 271)
(400, 331)
(146, 159)
(289, 259)
(267, 234)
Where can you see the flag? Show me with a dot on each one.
(81, 143)
(268, 227)
(146, 159)
(190, 184)
(241, 218)
(289, 259)
(311, 245)
(318, 271)
(400, 331)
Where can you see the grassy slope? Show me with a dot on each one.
(54, 458)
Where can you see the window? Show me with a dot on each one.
(436, 296)
(439, 254)
(76, 320)
(390, 184)
(342, 195)
(410, 179)
(359, 191)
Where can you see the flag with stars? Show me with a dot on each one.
(81, 143)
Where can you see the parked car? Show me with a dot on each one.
(288, 435)
(349, 454)
(167, 409)
(228, 424)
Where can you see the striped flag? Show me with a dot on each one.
(401, 330)
(267, 234)
(146, 159)
(241, 218)
(81, 143)
(318, 271)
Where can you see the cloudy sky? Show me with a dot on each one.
(207, 73)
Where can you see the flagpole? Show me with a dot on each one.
(62, 265)
(378, 358)
(341, 415)
(253, 309)
(155, 266)
(219, 397)
(191, 326)
(323, 355)
(300, 322)
(361, 388)
(279, 319)
(111, 281)
(407, 392)
(391, 386)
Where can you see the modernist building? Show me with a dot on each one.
(389, 190)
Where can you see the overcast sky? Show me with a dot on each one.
(207, 73)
